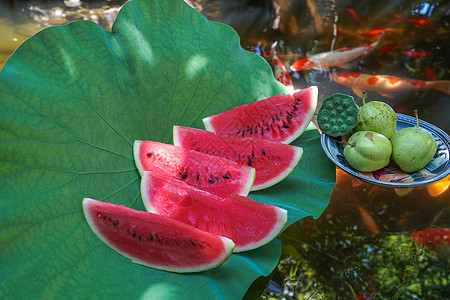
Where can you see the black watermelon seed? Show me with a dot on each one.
(238, 132)
(262, 131)
(149, 154)
(184, 176)
(294, 107)
(264, 153)
(273, 119)
(243, 132)
(217, 178)
(249, 163)
(211, 180)
(116, 223)
(276, 117)
(134, 233)
(226, 176)
(193, 243)
(256, 130)
(198, 176)
(286, 126)
(251, 130)
(289, 116)
(201, 246)
(151, 237)
(176, 242)
(267, 128)
(180, 172)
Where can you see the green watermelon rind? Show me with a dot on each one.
(281, 213)
(228, 244)
(298, 153)
(294, 135)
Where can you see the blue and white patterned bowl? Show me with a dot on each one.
(391, 175)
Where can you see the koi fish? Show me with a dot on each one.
(417, 22)
(376, 31)
(386, 84)
(432, 238)
(418, 54)
(354, 15)
(368, 220)
(429, 74)
(387, 48)
(439, 187)
(279, 70)
(340, 57)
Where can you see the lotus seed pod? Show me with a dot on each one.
(338, 115)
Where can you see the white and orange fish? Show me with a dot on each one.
(385, 85)
(340, 57)
(279, 70)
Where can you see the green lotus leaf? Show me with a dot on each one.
(73, 99)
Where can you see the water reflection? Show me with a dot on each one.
(360, 248)
(20, 20)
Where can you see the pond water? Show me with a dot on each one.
(360, 247)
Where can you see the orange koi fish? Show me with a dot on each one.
(387, 48)
(386, 84)
(418, 54)
(354, 15)
(432, 238)
(439, 187)
(417, 22)
(429, 74)
(368, 220)
(340, 57)
(376, 31)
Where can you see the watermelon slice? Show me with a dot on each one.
(155, 241)
(210, 173)
(272, 161)
(281, 118)
(250, 224)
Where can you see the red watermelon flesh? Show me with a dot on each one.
(281, 118)
(155, 241)
(272, 161)
(210, 173)
(250, 224)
